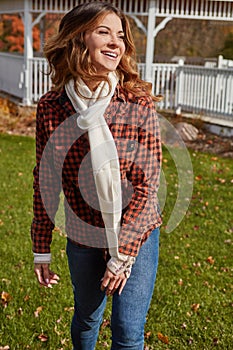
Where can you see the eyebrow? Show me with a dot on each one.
(102, 26)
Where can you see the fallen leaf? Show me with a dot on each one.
(6, 298)
(38, 311)
(43, 337)
(190, 341)
(147, 335)
(20, 311)
(163, 338)
(69, 309)
(210, 260)
(195, 307)
(26, 298)
(106, 323)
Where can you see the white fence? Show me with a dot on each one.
(195, 89)
(39, 79)
(205, 90)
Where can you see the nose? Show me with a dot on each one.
(114, 40)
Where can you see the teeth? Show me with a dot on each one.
(111, 54)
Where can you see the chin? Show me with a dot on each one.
(107, 70)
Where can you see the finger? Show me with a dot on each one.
(46, 275)
(53, 275)
(53, 278)
(113, 285)
(104, 283)
(39, 274)
(53, 281)
(123, 283)
(117, 284)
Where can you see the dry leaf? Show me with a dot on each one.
(38, 310)
(43, 337)
(195, 307)
(69, 309)
(105, 323)
(163, 338)
(190, 341)
(26, 298)
(6, 298)
(20, 311)
(210, 260)
(147, 335)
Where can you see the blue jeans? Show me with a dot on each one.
(129, 310)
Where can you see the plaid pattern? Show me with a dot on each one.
(65, 164)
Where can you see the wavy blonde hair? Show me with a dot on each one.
(68, 56)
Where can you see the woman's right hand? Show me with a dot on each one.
(110, 282)
(45, 276)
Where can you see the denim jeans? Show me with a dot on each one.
(129, 310)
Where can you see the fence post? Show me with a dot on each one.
(179, 90)
(150, 39)
(28, 51)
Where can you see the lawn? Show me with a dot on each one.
(192, 302)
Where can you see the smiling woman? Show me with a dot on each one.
(98, 139)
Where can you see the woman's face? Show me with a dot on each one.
(106, 44)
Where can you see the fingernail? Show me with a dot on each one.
(47, 281)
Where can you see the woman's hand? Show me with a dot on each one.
(111, 282)
(45, 276)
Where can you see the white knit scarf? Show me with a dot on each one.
(104, 157)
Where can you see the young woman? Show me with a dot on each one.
(98, 140)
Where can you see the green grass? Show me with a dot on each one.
(192, 301)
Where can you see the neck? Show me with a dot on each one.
(92, 84)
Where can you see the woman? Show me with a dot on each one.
(98, 140)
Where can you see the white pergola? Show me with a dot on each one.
(32, 11)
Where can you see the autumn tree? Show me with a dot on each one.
(12, 36)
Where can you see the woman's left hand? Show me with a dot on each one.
(111, 282)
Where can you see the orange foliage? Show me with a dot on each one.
(15, 34)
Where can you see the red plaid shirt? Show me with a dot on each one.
(63, 163)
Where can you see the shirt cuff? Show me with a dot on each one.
(42, 258)
(121, 264)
